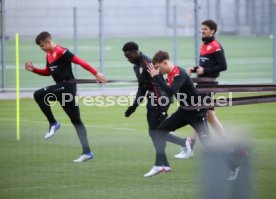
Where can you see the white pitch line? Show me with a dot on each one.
(69, 124)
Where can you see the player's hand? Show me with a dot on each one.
(190, 70)
(29, 66)
(130, 110)
(152, 70)
(200, 70)
(100, 78)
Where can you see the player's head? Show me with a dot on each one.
(44, 40)
(131, 51)
(208, 28)
(161, 60)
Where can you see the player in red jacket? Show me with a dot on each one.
(212, 61)
(59, 65)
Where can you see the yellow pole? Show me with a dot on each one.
(17, 79)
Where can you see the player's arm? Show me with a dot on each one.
(220, 65)
(141, 92)
(100, 77)
(67, 55)
(170, 90)
(40, 71)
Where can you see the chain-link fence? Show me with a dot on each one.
(150, 23)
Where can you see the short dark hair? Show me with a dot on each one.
(130, 46)
(42, 37)
(211, 24)
(160, 56)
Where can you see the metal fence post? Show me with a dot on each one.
(196, 18)
(75, 37)
(218, 17)
(3, 45)
(101, 37)
(175, 34)
(274, 39)
(237, 17)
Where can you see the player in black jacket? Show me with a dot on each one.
(180, 85)
(156, 112)
(212, 61)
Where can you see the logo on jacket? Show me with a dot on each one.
(140, 70)
(209, 48)
(52, 68)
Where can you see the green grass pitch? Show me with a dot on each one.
(35, 168)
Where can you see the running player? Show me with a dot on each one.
(58, 65)
(181, 85)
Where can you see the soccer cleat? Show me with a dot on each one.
(189, 152)
(157, 169)
(181, 154)
(234, 174)
(186, 152)
(52, 130)
(84, 157)
(167, 169)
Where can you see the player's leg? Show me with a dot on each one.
(42, 97)
(72, 110)
(215, 123)
(201, 127)
(170, 124)
(155, 119)
(152, 124)
(190, 143)
(199, 123)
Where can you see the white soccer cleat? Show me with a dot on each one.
(189, 151)
(186, 152)
(234, 174)
(52, 131)
(189, 154)
(167, 169)
(84, 157)
(181, 154)
(156, 170)
(188, 145)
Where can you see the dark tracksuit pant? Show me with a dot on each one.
(59, 92)
(155, 118)
(177, 120)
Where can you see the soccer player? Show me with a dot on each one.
(59, 65)
(180, 85)
(156, 112)
(212, 62)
